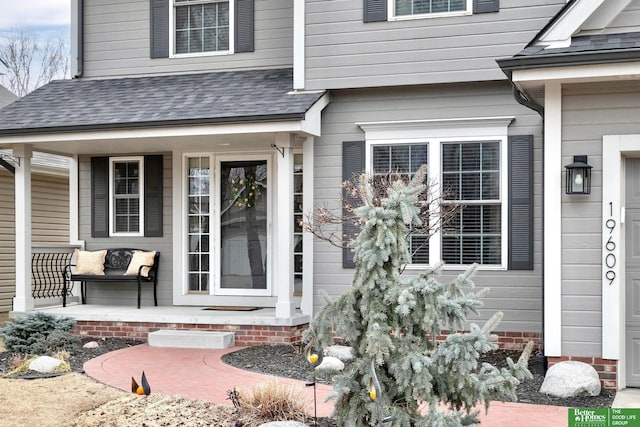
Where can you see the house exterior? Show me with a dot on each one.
(580, 69)
(205, 129)
(50, 219)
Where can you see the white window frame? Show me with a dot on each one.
(391, 7)
(435, 133)
(112, 161)
(172, 30)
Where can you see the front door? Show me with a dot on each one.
(632, 272)
(242, 238)
(227, 232)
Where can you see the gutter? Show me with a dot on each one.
(560, 59)
(540, 360)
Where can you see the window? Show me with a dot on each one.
(468, 174)
(402, 161)
(198, 233)
(410, 8)
(471, 178)
(297, 222)
(126, 196)
(201, 26)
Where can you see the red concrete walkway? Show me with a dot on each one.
(200, 374)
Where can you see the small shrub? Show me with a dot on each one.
(29, 334)
(273, 401)
(19, 361)
(62, 355)
(59, 340)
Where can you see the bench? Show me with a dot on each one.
(116, 262)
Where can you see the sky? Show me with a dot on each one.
(40, 20)
(34, 15)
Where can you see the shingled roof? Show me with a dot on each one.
(188, 99)
(592, 49)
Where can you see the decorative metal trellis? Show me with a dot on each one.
(47, 267)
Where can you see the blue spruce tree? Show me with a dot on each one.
(401, 375)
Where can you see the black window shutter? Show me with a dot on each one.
(153, 196)
(484, 6)
(244, 26)
(99, 197)
(160, 28)
(521, 202)
(352, 164)
(374, 10)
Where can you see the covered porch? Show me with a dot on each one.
(198, 139)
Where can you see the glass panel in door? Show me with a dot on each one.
(243, 225)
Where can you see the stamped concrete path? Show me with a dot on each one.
(200, 374)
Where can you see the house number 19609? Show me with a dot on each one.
(610, 259)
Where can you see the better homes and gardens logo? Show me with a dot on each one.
(604, 417)
(589, 417)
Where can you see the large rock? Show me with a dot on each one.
(342, 352)
(571, 379)
(45, 364)
(330, 364)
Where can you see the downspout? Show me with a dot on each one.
(540, 360)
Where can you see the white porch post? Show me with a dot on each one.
(23, 301)
(307, 237)
(553, 220)
(284, 227)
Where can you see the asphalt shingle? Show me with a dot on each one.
(220, 97)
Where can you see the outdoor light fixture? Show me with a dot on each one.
(578, 176)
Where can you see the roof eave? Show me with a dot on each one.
(508, 65)
(157, 124)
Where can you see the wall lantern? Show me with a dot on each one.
(578, 176)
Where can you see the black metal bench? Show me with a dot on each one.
(115, 265)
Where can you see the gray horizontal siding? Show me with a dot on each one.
(116, 41)
(517, 293)
(589, 111)
(627, 21)
(125, 293)
(344, 52)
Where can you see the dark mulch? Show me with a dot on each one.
(79, 354)
(286, 361)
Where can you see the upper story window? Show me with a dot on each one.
(425, 7)
(126, 196)
(201, 26)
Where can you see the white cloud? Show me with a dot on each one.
(34, 13)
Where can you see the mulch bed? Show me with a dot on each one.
(287, 361)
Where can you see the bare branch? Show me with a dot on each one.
(29, 63)
(326, 224)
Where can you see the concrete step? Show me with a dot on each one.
(191, 339)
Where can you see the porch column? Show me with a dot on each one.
(284, 226)
(553, 220)
(23, 300)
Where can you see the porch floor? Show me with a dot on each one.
(173, 314)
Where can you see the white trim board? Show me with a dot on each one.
(614, 150)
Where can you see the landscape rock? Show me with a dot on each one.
(571, 379)
(331, 363)
(44, 364)
(342, 352)
(283, 424)
(91, 344)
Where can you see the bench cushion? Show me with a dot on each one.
(139, 259)
(90, 262)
